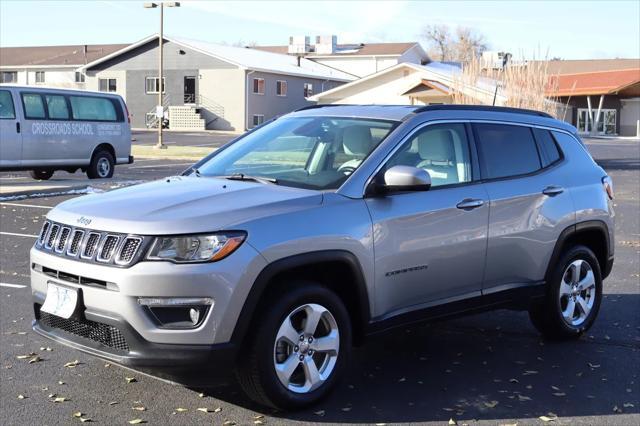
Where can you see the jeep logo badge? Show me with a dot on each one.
(84, 221)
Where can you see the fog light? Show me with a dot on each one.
(194, 315)
(175, 301)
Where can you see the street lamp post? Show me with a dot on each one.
(160, 106)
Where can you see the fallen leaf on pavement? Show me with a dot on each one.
(60, 399)
(35, 359)
(201, 395)
(229, 423)
(181, 410)
(130, 379)
(136, 421)
(77, 414)
(60, 382)
(547, 419)
(452, 422)
(21, 396)
(138, 408)
(72, 364)
(85, 419)
(29, 355)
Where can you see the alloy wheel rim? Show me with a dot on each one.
(103, 167)
(306, 348)
(577, 292)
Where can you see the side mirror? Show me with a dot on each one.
(406, 178)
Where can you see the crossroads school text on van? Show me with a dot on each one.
(43, 130)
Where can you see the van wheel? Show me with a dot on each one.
(41, 174)
(101, 166)
(298, 349)
(573, 296)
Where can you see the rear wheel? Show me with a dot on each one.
(573, 297)
(298, 350)
(41, 174)
(101, 166)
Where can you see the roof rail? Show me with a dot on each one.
(482, 108)
(320, 106)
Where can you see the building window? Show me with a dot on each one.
(9, 77)
(152, 85)
(308, 90)
(258, 86)
(107, 84)
(257, 119)
(281, 88)
(79, 77)
(39, 76)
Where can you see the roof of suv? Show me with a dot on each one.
(403, 112)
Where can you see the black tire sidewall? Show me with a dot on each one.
(92, 172)
(575, 253)
(284, 304)
(41, 174)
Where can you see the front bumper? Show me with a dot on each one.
(111, 324)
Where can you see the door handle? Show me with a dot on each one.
(552, 190)
(470, 203)
(17, 127)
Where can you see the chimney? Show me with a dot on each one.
(85, 48)
(326, 44)
(298, 45)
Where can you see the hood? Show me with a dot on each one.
(182, 204)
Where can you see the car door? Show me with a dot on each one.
(10, 132)
(429, 246)
(529, 205)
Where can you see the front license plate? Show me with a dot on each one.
(60, 301)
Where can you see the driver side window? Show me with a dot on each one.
(440, 149)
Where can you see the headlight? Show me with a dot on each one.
(196, 248)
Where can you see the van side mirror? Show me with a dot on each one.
(405, 178)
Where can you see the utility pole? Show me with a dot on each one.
(160, 86)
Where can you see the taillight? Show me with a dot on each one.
(607, 183)
(126, 111)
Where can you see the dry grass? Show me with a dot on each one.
(520, 86)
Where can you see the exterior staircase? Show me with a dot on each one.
(197, 113)
(185, 117)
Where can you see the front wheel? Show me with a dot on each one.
(573, 296)
(41, 174)
(298, 350)
(101, 166)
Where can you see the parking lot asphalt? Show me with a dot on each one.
(490, 369)
(174, 138)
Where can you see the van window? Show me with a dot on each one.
(33, 106)
(506, 150)
(92, 109)
(548, 147)
(57, 107)
(6, 106)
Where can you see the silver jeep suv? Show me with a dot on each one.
(274, 255)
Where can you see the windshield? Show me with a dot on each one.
(304, 152)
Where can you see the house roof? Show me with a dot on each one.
(362, 49)
(250, 59)
(49, 56)
(590, 65)
(436, 74)
(594, 83)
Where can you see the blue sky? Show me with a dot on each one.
(571, 30)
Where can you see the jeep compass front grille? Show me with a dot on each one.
(88, 245)
(103, 334)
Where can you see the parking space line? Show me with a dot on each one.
(26, 205)
(12, 285)
(162, 165)
(18, 235)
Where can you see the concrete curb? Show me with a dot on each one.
(42, 192)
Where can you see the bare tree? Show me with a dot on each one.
(439, 40)
(462, 46)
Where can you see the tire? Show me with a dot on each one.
(41, 174)
(554, 317)
(102, 164)
(267, 346)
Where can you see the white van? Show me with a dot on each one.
(47, 129)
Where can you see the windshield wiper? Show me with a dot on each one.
(242, 176)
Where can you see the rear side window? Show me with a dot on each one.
(548, 148)
(33, 106)
(93, 109)
(6, 105)
(506, 150)
(57, 107)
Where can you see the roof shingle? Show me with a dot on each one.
(55, 55)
